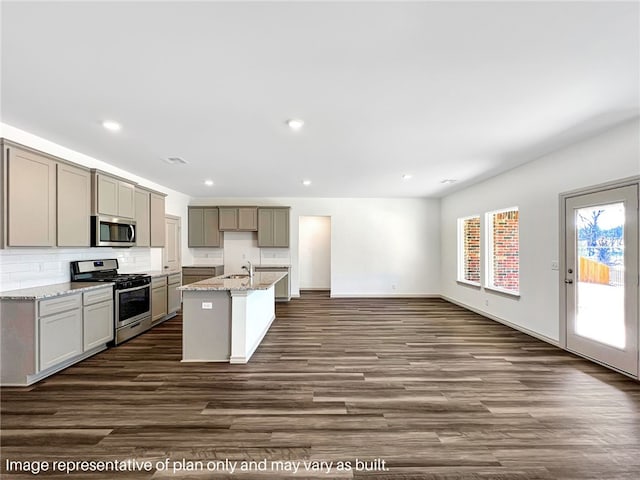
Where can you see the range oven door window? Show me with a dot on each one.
(132, 304)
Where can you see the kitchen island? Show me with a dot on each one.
(225, 318)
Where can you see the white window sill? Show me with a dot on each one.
(504, 291)
(468, 282)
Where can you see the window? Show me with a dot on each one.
(469, 250)
(503, 250)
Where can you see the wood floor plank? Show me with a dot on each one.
(434, 390)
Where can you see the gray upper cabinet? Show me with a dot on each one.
(273, 227)
(149, 216)
(73, 205)
(203, 227)
(30, 191)
(156, 219)
(143, 210)
(126, 199)
(112, 195)
(243, 219)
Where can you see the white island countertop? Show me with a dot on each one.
(237, 282)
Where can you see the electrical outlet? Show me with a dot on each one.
(555, 265)
(207, 305)
(486, 303)
(393, 286)
(244, 256)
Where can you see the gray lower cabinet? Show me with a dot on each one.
(283, 287)
(158, 298)
(195, 274)
(61, 335)
(97, 318)
(273, 227)
(174, 297)
(42, 336)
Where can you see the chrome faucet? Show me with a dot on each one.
(249, 269)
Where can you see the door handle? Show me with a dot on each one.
(568, 280)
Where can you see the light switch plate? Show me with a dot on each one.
(555, 265)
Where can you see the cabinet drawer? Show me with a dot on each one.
(175, 278)
(206, 272)
(59, 304)
(158, 282)
(97, 296)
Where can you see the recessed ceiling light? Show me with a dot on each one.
(208, 183)
(407, 176)
(306, 183)
(448, 180)
(295, 123)
(111, 125)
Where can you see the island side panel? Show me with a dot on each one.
(253, 313)
(206, 333)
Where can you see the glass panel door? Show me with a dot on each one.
(601, 278)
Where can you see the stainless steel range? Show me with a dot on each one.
(132, 294)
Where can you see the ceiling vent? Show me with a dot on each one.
(175, 161)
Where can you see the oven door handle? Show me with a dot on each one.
(133, 288)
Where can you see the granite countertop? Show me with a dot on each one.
(55, 290)
(158, 273)
(261, 281)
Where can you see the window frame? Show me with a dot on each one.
(488, 277)
(460, 275)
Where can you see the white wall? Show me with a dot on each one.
(534, 188)
(28, 267)
(376, 243)
(314, 252)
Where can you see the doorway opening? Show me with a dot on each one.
(599, 281)
(314, 247)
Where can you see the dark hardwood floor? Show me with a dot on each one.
(428, 388)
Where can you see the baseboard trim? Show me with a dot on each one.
(385, 295)
(507, 323)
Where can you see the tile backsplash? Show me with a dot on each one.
(24, 268)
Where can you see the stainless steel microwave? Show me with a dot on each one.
(112, 232)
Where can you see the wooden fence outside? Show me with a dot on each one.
(593, 272)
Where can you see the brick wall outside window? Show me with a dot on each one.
(505, 262)
(471, 249)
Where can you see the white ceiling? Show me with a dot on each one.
(439, 90)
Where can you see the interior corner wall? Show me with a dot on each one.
(534, 188)
(380, 247)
